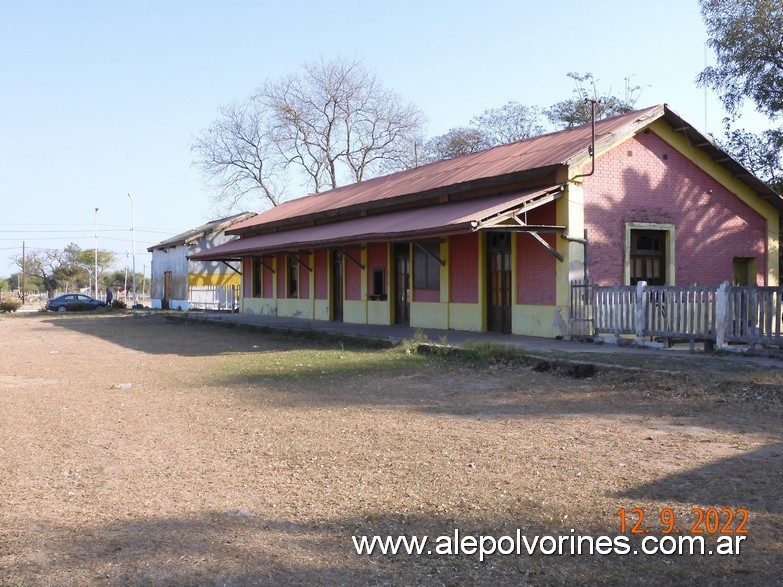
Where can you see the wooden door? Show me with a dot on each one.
(402, 278)
(166, 290)
(337, 286)
(499, 282)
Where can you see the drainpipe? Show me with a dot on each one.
(591, 150)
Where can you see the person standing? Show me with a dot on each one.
(109, 296)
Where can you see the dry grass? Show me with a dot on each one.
(241, 458)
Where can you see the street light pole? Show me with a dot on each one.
(96, 253)
(133, 245)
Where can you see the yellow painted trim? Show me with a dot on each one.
(429, 315)
(465, 317)
(671, 248)
(443, 253)
(529, 320)
(354, 312)
(364, 277)
(482, 280)
(514, 269)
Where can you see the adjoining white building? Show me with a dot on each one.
(178, 283)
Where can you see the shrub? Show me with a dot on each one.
(10, 305)
(119, 304)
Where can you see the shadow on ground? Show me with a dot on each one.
(240, 548)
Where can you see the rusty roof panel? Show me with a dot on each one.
(440, 219)
(540, 152)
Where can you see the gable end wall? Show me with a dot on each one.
(645, 179)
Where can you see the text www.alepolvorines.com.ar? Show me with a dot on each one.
(569, 544)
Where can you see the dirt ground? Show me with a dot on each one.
(141, 451)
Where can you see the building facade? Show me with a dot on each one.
(491, 241)
(173, 274)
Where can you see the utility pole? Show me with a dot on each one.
(133, 245)
(22, 285)
(96, 253)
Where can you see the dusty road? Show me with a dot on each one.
(136, 451)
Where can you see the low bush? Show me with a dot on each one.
(10, 305)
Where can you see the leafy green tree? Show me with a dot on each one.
(747, 37)
(577, 111)
(515, 122)
(456, 142)
(762, 153)
(83, 261)
(45, 265)
(509, 123)
(70, 268)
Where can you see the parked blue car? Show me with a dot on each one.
(73, 303)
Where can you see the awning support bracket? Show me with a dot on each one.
(230, 266)
(430, 254)
(548, 247)
(347, 255)
(296, 258)
(266, 266)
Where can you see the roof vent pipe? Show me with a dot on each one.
(591, 150)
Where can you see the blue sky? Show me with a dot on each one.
(100, 99)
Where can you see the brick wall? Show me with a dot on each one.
(353, 278)
(537, 267)
(377, 258)
(268, 279)
(463, 268)
(647, 180)
(247, 277)
(321, 268)
(304, 276)
(282, 277)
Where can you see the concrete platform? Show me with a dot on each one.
(394, 334)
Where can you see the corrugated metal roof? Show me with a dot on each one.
(565, 148)
(194, 234)
(545, 151)
(436, 220)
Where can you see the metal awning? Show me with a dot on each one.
(515, 220)
(445, 219)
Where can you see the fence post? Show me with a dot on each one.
(722, 317)
(641, 312)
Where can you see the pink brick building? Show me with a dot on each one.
(491, 241)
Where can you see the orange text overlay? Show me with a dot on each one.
(724, 521)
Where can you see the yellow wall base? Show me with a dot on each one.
(543, 321)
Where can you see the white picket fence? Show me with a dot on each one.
(720, 315)
(213, 297)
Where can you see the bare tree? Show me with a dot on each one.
(47, 265)
(238, 157)
(335, 121)
(331, 124)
